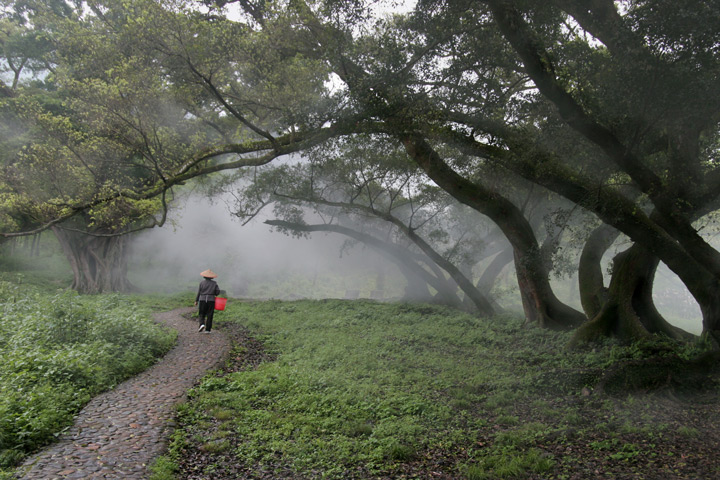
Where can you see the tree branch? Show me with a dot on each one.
(540, 68)
(394, 253)
(482, 304)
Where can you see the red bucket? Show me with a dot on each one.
(220, 303)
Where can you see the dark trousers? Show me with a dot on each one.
(206, 310)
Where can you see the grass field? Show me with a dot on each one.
(343, 389)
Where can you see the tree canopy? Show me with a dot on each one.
(613, 106)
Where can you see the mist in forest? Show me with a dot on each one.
(674, 301)
(252, 260)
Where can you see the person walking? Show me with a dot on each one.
(205, 297)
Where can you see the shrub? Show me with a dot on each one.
(59, 351)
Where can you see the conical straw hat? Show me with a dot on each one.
(208, 274)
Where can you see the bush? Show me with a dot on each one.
(59, 351)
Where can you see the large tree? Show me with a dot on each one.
(631, 97)
(61, 151)
(612, 105)
(61, 165)
(646, 98)
(104, 131)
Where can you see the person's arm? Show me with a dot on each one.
(217, 290)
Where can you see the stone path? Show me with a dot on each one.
(120, 432)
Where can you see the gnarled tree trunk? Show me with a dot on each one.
(539, 301)
(593, 293)
(629, 313)
(99, 263)
(707, 293)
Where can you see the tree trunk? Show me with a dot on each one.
(539, 301)
(706, 292)
(629, 312)
(593, 293)
(99, 264)
(486, 282)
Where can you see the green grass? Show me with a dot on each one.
(162, 469)
(509, 463)
(376, 385)
(355, 386)
(157, 302)
(58, 351)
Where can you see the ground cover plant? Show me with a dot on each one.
(338, 389)
(59, 350)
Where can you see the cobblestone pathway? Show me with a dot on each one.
(121, 431)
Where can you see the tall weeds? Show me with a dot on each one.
(58, 351)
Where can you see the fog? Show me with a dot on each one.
(674, 301)
(252, 261)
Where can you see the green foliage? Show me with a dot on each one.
(59, 351)
(510, 463)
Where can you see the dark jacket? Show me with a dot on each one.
(207, 291)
